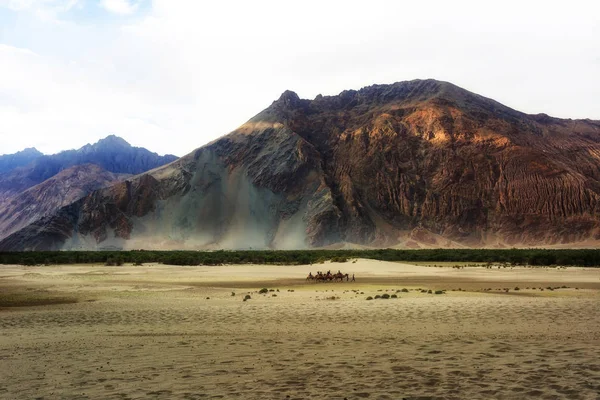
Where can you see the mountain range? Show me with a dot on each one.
(111, 153)
(413, 164)
(33, 185)
(9, 162)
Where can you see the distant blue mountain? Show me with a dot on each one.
(112, 154)
(9, 162)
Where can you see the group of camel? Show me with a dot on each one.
(328, 277)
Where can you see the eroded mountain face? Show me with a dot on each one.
(413, 164)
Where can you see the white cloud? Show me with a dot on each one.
(121, 7)
(56, 106)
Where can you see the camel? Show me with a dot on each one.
(328, 277)
(340, 277)
(321, 277)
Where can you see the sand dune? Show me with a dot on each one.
(177, 332)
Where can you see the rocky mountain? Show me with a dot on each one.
(8, 162)
(112, 153)
(413, 164)
(45, 198)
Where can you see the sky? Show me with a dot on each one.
(172, 75)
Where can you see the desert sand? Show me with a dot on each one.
(156, 331)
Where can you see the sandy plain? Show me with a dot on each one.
(155, 331)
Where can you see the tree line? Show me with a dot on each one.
(533, 257)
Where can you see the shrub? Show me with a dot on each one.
(429, 291)
(394, 296)
(385, 296)
(377, 296)
(232, 294)
(247, 297)
(438, 292)
(369, 298)
(404, 290)
(263, 291)
(488, 258)
(516, 288)
(339, 259)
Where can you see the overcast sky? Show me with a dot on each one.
(171, 75)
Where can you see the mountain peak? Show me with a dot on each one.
(289, 98)
(31, 151)
(405, 93)
(113, 140)
(9, 162)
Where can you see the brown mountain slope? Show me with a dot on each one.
(44, 199)
(419, 163)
